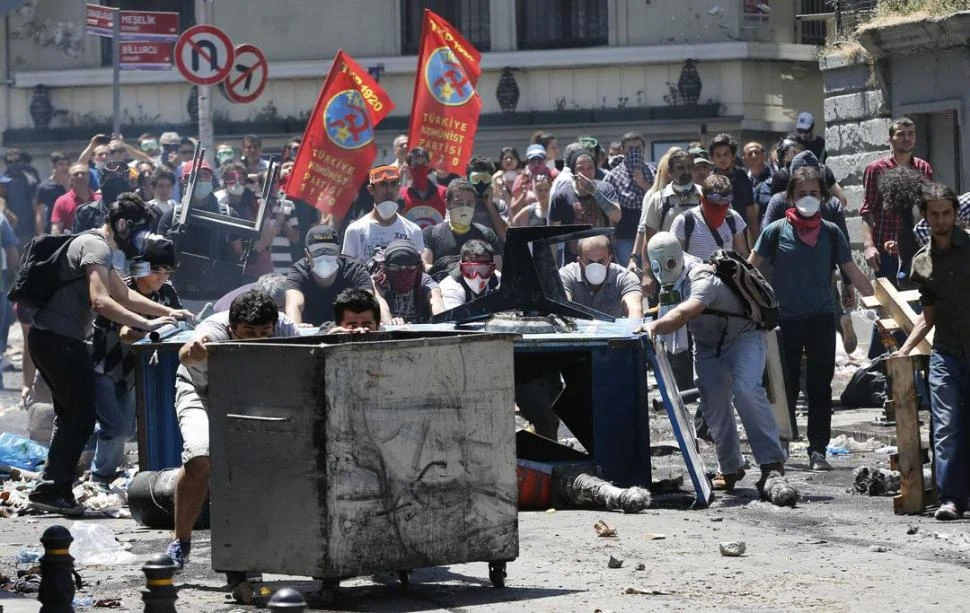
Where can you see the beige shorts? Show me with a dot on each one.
(193, 417)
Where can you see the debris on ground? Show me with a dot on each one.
(875, 481)
(845, 445)
(576, 485)
(107, 500)
(667, 486)
(614, 562)
(640, 566)
(733, 549)
(912, 530)
(96, 544)
(603, 529)
(779, 491)
(654, 536)
(879, 548)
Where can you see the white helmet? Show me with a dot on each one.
(666, 257)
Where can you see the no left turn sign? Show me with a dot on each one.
(248, 75)
(204, 54)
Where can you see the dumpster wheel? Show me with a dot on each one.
(404, 576)
(496, 573)
(328, 589)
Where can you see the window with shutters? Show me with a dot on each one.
(469, 16)
(557, 24)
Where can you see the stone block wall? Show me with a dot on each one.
(857, 127)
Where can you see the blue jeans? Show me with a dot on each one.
(737, 374)
(950, 412)
(623, 247)
(116, 423)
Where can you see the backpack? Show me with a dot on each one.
(748, 284)
(690, 222)
(39, 274)
(664, 209)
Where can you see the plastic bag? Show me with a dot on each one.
(96, 544)
(21, 452)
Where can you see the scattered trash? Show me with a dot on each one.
(733, 549)
(95, 544)
(778, 491)
(888, 449)
(845, 445)
(640, 566)
(648, 592)
(717, 519)
(108, 603)
(875, 481)
(667, 486)
(603, 530)
(110, 502)
(576, 485)
(29, 556)
(27, 584)
(614, 562)
(550, 510)
(19, 452)
(82, 601)
(653, 536)
(879, 548)
(912, 530)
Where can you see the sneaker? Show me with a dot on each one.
(52, 503)
(726, 483)
(819, 462)
(849, 340)
(948, 511)
(179, 551)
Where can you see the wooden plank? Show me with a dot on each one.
(897, 308)
(910, 500)
(776, 388)
(889, 325)
(870, 302)
(910, 295)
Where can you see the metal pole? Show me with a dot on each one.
(203, 14)
(116, 71)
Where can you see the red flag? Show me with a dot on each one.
(444, 114)
(338, 144)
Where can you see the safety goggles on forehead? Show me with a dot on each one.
(482, 178)
(383, 174)
(589, 142)
(477, 269)
(720, 198)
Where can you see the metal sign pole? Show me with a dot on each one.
(116, 71)
(203, 13)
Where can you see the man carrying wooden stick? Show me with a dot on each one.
(942, 271)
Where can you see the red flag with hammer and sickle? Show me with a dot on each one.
(338, 145)
(444, 114)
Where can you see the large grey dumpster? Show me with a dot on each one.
(333, 458)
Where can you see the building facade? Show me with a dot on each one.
(674, 71)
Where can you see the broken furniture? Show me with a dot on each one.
(332, 443)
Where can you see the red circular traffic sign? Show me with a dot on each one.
(204, 54)
(248, 75)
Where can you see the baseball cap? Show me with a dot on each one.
(535, 151)
(5, 179)
(187, 168)
(322, 240)
(700, 156)
(805, 121)
(169, 138)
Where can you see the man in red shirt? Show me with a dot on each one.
(424, 201)
(62, 218)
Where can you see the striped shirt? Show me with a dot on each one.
(702, 243)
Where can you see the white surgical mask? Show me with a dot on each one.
(462, 215)
(510, 176)
(202, 189)
(324, 266)
(807, 206)
(236, 189)
(476, 284)
(595, 273)
(386, 209)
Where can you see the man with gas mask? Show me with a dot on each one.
(443, 242)
(315, 281)
(411, 294)
(729, 357)
(90, 286)
(424, 201)
(383, 224)
(594, 281)
(474, 277)
(491, 212)
(660, 208)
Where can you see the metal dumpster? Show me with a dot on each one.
(336, 456)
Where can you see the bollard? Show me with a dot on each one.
(287, 599)
(56, 594)
(160, 595)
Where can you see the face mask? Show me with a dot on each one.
(236, 189)
(481, 188)
(666, 257)
(476, 284)
(714, 214)
(633, 158)
(807, 206)
(419, 176)
(202, 189)
(325, 266)
(386, 209)
(595, 273)
(402, 281)
(462, 215)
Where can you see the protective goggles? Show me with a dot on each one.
(589, 142)
(384, 173)
(716, 198)
(480, 178)
(477, 269)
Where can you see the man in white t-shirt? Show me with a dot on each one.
(382, 224)
(714, 224)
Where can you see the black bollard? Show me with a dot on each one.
(287, 599)
(56, 593)
(160, 595)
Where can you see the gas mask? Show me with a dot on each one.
(595, 273)
(137, 238)
(324, 266)
(667, 263)
(386, 209)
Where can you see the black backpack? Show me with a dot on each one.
(39, 272)
(746, 281)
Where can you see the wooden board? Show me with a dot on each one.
(680, 421)
(776, 388)
(910, 500)
(898, 308)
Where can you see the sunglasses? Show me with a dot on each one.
(477, 269)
